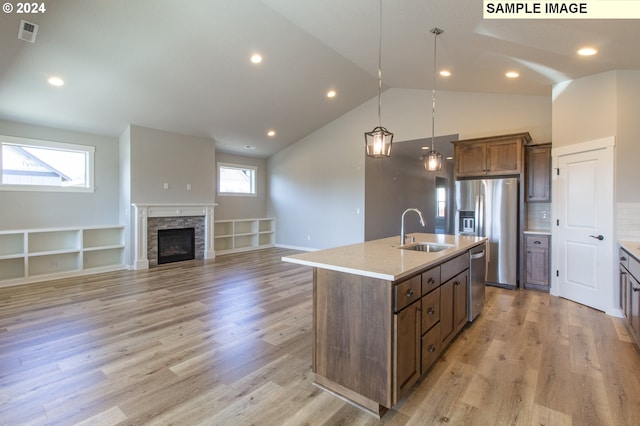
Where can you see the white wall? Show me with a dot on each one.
(36, 209)
(244, 207)
(317, 184)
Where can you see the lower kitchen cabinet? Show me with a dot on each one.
(407, 346)
(630, 292)
(537, 262)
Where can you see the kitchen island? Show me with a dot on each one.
(383, 315)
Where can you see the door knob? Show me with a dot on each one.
(597, 237)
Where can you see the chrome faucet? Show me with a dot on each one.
(402, 236)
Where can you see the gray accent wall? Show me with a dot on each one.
(394, 184)
(39, 209)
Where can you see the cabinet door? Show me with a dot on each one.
(446, 312)
(470, 159)
(460, 300)
(634, 295)
(539, 174)
(624, 291)
(537, 266)
(430, 348)
(407, 349)
(504, 157)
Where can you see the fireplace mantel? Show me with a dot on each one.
(144, 211)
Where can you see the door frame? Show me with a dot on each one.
(607, 144)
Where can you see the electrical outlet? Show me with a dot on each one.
(308, 237)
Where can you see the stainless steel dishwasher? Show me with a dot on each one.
(477, 279)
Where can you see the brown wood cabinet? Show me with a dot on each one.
(490, 156)
(537, 262)
(407, 355)
(630, 292)
(374, 339)
(538, 173)
(453, 305)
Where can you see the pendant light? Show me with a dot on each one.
(433, 159)
(378, 141)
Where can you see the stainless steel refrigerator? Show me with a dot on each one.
(489, 208)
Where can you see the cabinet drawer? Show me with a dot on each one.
(624, 257)
(454, 266)
(406, 292)
(430, 280)
(538, 241)
(430, 310)
(431, 346)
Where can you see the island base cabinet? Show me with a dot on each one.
(352, 343)
(453, 307)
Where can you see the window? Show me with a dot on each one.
(36, 165)
(234, 179)
(441, 197)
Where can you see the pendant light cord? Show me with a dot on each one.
(380, 67)
(435, 32)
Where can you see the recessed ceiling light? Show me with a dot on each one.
(331, 94)
(587, 51)
(56, 81)
(256, 58)
(512, 74)
(445, 73)
(271, 133)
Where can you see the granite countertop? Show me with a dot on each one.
(382, 259)
(633, 247)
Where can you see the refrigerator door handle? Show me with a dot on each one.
(480, 216)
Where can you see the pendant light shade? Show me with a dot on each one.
(378, 141)
(433, 159)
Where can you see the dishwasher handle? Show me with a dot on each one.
(478, 255)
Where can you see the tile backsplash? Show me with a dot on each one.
(628, 221)
(538, 216)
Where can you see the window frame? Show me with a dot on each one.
(39, 143)
(221, 164)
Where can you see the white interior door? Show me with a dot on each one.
(584, 241)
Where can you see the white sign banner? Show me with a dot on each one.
(588, 9)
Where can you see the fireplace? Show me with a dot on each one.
(175, 245)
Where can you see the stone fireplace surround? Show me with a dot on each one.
(151, 217)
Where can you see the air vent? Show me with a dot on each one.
(28, 31)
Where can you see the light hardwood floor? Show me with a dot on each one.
(228, 342)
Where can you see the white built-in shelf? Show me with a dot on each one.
(42, 254)
(232, 236)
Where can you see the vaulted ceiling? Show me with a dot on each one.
(183, 66)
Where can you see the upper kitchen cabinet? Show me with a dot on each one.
(490, 156)
(538, 173)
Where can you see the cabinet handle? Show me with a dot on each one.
(431, 280)
(431, 311)
(432, 349)
(623, 259)
(537, 242)
(456, 283)
(636, 289)
(410, 293)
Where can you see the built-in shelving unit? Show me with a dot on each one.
(231, 236)
(41, 254)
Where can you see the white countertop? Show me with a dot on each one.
(537, 231)
(381, 259)
(633, 247)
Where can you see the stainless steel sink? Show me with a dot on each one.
(426, 247)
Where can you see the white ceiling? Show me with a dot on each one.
(183, 66)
